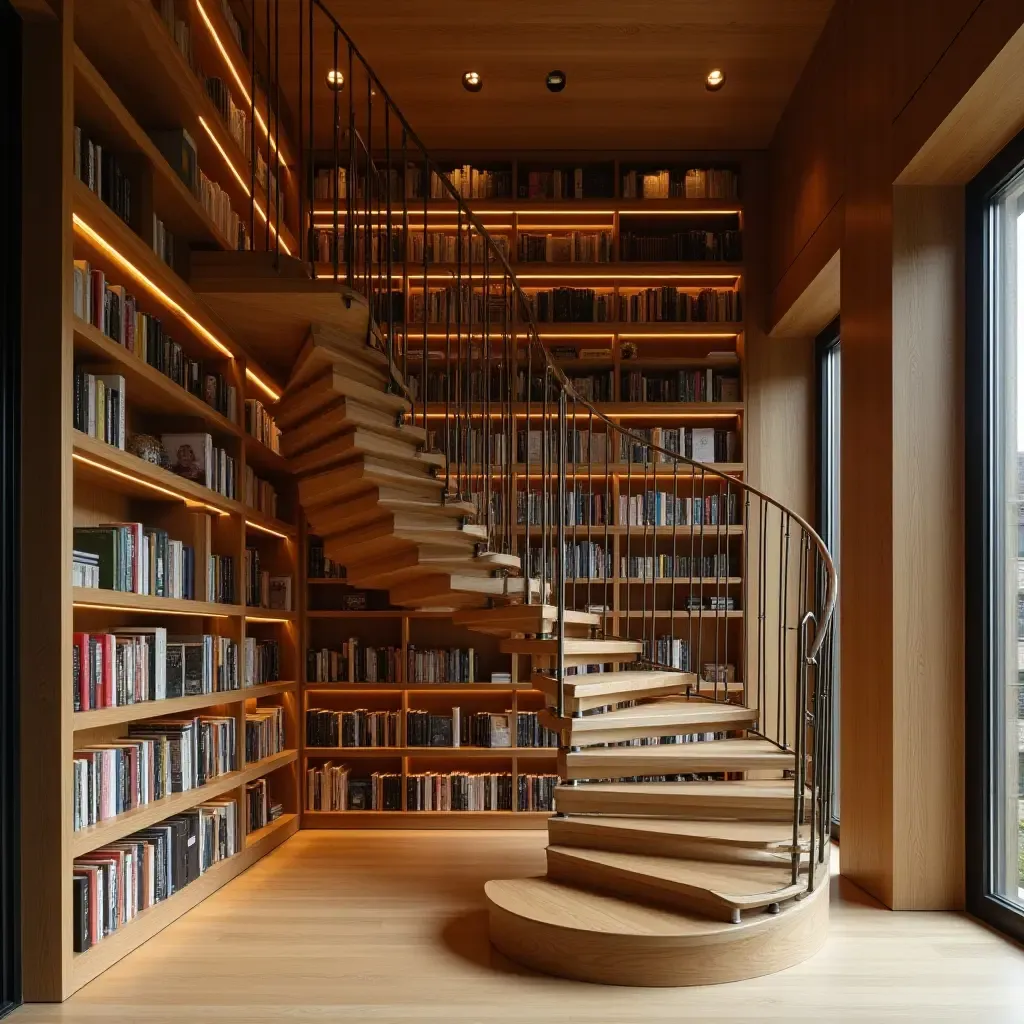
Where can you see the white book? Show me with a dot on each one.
(703, 444)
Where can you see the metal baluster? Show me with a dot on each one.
(487, 459)
(745, 632)
(700, 606)
(389, 236)
(529, 421)
(266, 90)
(311, 160)
(252, 125)
(675, 564)
(762, 581)
(351, 176)
(470, 449)
(689, 571)
(368, 195)
(724, 512)
(277, 134)
(783, 594)
(405, 257)
(609, 436)
(801, 599)
(721, 615)
(426, 320)
(335, 181)
(642, 574)
(560, 709)
(629, 521)
(302, 239)
(545, 463)
(654, 561)
(590, 507)
(450, 443)
(458, 354)
(798, 773)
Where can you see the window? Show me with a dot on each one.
(828, 504)
(994, 490)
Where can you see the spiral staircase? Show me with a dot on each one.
(690, 839)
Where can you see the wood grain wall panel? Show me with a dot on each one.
(866, 498)
(928, 566)
(982, 37)
(918, 43)
(806, 167)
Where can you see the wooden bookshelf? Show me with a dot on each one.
(74, 479)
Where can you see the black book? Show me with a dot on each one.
(360, 794)
(440, 731)
(81, 935)
(175, 670)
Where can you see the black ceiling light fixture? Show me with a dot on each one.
(555, 81)
(472, 81)
(715, 80)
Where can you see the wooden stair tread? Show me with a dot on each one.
(602, 649)
(605, 684)
(669, 713)
(729, 755)
(521, 616)
(734, 886)
(750, 799)
(765, 836)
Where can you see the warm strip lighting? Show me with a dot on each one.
(675, 415)
(266, 529)
(267, 618)
(161, 611)
(177, 495)
(674, 337)
(674, 213)
(266, 387)
(241, 182)
(130, 267)
(238, 78)
(397, 212)
(654, 276)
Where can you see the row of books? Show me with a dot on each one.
(318, 565)
(440, 665)
(101, 172)
(260, 811)
(443, 247)
(132, 664)
(264, 733)
(701, 444)
(216, 201)
(477, 729)
(113, 884)
(220, 579)
(259, 494)
(468, 181)
(359, 728)
(163, 241)
(593, 182)
(138, 559)
(157, 758)
(331, 787)
(565, 247)
(262, 590)
(98, 408)
(354, 662)
(673, 305)
(693, 245)
(445, 306)
(694, 183)
(113, 310)
(581, 508)
(571, 305)
(666, 509)
(680, 386)
(584, 560)
(261, 425)
(262, 661)
(679, 567)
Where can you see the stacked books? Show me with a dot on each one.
(139, 559)
(359, 728)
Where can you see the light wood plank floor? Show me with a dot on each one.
(389, 926)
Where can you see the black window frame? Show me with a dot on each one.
(826, 345)
(984, 493)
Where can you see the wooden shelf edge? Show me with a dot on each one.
(422, 687)
(425, 819)
(471, 752)
(86, 966)
(83, 721)
(126, 601)
(110, 831)
(261, 834)
(263, 523)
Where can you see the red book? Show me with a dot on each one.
(84, 670)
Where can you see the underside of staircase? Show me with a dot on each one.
(673, 858)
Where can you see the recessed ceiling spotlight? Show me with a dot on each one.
(472, 82)
(715, 80)
(555, 81)
(335, 80)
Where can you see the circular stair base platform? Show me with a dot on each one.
(578, 934)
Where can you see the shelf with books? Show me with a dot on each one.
(613, 410)
(284, 823)
(125, 601)
(427, 819)
(534, 209)
(98, 109)
(84, 721)
(110, 831)
(399, 688)
(86, 966)
(136, 53)
(146, 384)
(255, 520)
(589, 331)
(270, 615)
(583, 470)
(263, 459)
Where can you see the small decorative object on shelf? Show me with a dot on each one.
(149, 449)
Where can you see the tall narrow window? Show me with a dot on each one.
(828, 501)
(995, 542)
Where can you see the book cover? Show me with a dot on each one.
(190, 456)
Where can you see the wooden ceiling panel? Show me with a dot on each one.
(635, 69)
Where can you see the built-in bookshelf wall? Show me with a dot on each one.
(163, 655)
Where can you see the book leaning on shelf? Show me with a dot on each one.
(262, 590)
(113, 311)
(157, 758)
(262, 661)
(139, 559)
(260, 812)
(196, 458)
(359, 728)
(264, 733)
(260, 424)
(113, 884)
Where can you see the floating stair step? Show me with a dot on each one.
(353, 478)
(332, 516)
(674, 759)
(438, 589)
(526, 618)
(722, 891)
(668, 837)
(576, 651)
(597, 689)
(302, 404)
(667, 716)
(451, 509)
(588, 936)
(400, 452)
(750, 800)
(328, 346)
(305, 445)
